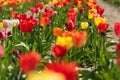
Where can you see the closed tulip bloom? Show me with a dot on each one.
(1, 25)
(29, 61)
(45, 75)
(57, 31)
(3, 35)
(44, 21)
(59, 51)
(100, 10)
(68, 69)
(81, 10)
(99, 20)
(118, 49)
(6, 23)
(117, 29)
(103, 27)
(70, 25)
(79, 38)
(90, 16)
(14, 14)
(84, 25)
(64, 41)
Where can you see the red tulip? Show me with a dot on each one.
(0, 6)
(46, 14)
(100, 10)
(39, 5)
(117, 29)
(76, 1)
(59, 51)
(14, 14)
(29, 61)
(23, 16)
(118, 61)
(118, 49)
(70, 25)
(103, 27)
(81, 10)
(25, 26)
(66, 68)
(34, 10)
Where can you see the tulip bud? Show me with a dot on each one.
(81, 10)
(16, 53)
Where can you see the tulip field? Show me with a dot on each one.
(57, 40)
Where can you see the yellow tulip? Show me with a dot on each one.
(61, 41)
(54, 1)
(65, 41)
(84, 25)
(45, 75)
(5, 3)
(33, 76)
(69, 42)
(99, 20)
(79, 4)
(1, 25)
(90, 16)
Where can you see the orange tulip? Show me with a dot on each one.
(57, 31)
(79, 38)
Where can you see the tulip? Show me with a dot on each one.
(45, 75)
(100, 10)
(84, 25)
(3, 35)
(6, 23)
(29, 61)
(57, 31)
(102, 27)
(44, 21)
(79, 38)
(59, 51)
(81, 10)
(99, 20)
(117, 29)
(1, 25)
(68, 69)
(14, 14)
(70, 25)
(64, 41)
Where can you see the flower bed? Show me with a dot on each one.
(56, 40)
